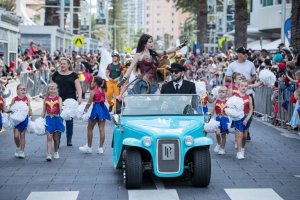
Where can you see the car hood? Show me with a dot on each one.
(163, 125)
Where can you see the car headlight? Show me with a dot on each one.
(147, 141)
(189, 140)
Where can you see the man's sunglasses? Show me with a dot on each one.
(175, 71)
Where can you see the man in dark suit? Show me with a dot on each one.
(178, 85)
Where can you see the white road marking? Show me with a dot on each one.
(63, 195)
(290, 135)
(158, 183)
(297, 176)
(253, 194)
(152, 194)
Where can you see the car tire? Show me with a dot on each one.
(201, 171)
(133, 169)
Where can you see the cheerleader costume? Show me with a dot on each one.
(1, 109)
(295, 120)
(23, 125)
(54, 123)
(220, 106)
(238, 125)
(99, 110)
(235, 90)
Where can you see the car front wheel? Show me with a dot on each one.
(133, 169)
(201, 168)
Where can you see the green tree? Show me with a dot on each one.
(295, 30)
(199, 8)
(241, 21)
(9, 5)
(117, 23)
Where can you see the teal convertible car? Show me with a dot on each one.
(164, 134)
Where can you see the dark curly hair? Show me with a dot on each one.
(141, 46)
(100, 82)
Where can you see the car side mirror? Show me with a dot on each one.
(207, 117)
(116, 119)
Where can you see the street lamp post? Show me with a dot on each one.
(283, 15)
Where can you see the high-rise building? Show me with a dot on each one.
(163, 21)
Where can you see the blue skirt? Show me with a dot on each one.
(23, 125)
(223, 123)
(199, 110)
(99, 112)
(54, 124)
(239, 126)
(295, 120)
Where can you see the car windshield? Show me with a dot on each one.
(167, 104)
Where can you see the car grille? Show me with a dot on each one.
(168, 155)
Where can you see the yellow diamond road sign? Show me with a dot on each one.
(78, 41)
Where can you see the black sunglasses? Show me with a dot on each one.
(175, 71)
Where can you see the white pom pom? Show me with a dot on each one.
(235, 103)
(80, 111)
(19, 112)
(30, 127)
(200, 88)
(86, 116)
(267, 77)
(211, 126)
(215, 91)
(234, 114)
(7, 122)
(69, 109)
(40, 124)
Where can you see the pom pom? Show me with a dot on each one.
(80, 111)
(69, 109)
(7, 122)
(200, 88)
(235, 108)
(40, 124)
(215, 92)
(30, 127)
(230, 130)
(235, 103)
(267, 77)
(86, 115)
(211, 126)
(19, 112)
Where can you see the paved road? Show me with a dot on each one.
(271, 170)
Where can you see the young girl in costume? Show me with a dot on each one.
(98, 115)
(242, 126)
(219, 108)
(21, 128)
(54, 123)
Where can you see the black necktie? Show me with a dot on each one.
(177, 87)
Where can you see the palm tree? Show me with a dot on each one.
(202, 23)
(295, 30)
(9, 5)
(241, 20)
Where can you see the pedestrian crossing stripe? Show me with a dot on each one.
(149, 194)
(253, 194)
(78, 41)
(65, 195)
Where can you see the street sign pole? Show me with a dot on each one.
(90, 28)
(283, 13)
(62, 14)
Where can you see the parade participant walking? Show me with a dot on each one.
(242, 126)
(178, 85)
(21, 128)
(98, 115)
(80, 69)
(245, 67)
(2, 109)
(113, 73)
(68, 87)
(219, 108)
(54, 123)
(146, 59)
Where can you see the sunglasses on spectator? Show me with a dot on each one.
(175, 71)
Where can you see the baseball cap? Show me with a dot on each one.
(114, 53)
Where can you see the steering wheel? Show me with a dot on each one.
(141, 87)
(188, 110)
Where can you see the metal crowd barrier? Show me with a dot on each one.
(35, 82)
(264, 106)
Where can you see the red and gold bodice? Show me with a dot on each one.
(1, 104)
(52, 105)
(246, 99)
(24, 99)
(220, 107)
(99, 97)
